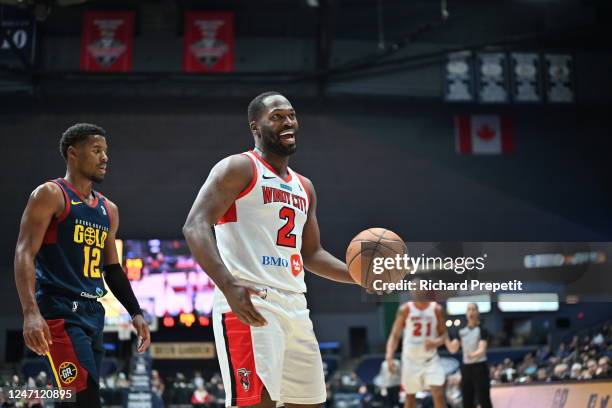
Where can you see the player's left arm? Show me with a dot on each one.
(316, 259)
(440, 330)
(118, 283)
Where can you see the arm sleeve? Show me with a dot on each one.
(119, 284)
(484, 334)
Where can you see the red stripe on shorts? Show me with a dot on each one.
(246, 384)
(70, 373)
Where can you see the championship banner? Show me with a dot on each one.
(556, 395)
(458, 77)
(19, 27)
(559, 78)
(107, 41)
(208, 43)
(526, 84)
(492, 77)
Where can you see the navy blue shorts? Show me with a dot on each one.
(76, 331)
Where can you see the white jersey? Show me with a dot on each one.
(260, 236)
(419, 326)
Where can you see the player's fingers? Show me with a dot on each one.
(38, 341)
(47, 334)
(144, 343)
(256, 319)
(27, 338)
(262, 293)
(254, 315)
(243, 318)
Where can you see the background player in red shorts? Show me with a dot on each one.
(66, 244)
(264, 215)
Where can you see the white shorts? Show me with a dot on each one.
(282, 356)
(420, 375)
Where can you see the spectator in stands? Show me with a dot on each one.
(41, 380)
(157, 384)
(592, 367)
(389, 383)
(562, 351)
(560, 372)
(541, 375)
(200, 397)
(122, 381)
(543, 354)
(198, 380)
(453, 390)
(576, 371)
(603, 368)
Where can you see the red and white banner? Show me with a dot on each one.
(107, 41)
(208, 44)
(484, 134)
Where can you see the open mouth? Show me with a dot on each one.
(287, 136)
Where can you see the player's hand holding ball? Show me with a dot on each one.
(238, 296)
(366, 253)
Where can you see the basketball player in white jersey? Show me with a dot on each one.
(264, 217)
(421, 324)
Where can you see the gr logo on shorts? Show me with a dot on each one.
(67, 372)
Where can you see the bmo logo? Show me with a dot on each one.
(274, 261)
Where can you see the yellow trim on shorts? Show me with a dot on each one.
(57, 380)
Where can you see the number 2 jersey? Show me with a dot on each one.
(71, 257)
(420, 325)
(260, 235)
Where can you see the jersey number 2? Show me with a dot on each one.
(284, 237)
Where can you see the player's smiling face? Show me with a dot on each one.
(92, 158)
(278, 126)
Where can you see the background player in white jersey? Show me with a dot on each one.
(422, 324)
(264, 215)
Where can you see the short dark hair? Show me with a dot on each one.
(257, 106)
(77, 133)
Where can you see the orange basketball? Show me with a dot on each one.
(368, 245)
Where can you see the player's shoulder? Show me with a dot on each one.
(404, 308)
(240, 163)
(48, 190)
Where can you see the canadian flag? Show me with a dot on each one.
(484, 134)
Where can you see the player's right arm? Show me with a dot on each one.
(224, 183)
(396, 335)
(46, 202)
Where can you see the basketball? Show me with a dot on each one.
(368, 245)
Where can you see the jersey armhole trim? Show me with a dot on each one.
(66, 210)
(306, 189)
(253, 181)
(108, 211)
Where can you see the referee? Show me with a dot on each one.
(475, 383)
